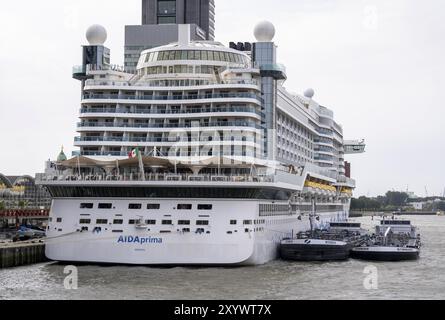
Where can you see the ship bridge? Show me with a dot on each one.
(354, 146)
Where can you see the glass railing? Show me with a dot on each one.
(323, 150)
(174, 125)
(171, 140)
(274, 67)
(79, 69)
(323, 159)
(328, 142)
(170, 83)
(175, 98)
(325, 132)
(159, 177)
(187, 111)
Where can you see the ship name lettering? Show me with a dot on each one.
(139, 240)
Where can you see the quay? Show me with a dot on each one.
(360, 214)
(21, 254)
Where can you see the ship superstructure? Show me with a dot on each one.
(200, 157)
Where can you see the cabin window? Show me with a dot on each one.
(153, 206)
(118, 221)
(247, 222)
(205, 207)
(135, 206)
(233, 222)
(184, 222)
(59, 220)
(184, 207)
(105, 205)
(131, 221)
(167, 222)
(86, 206)
(118, 231)
(152, 222)
(101, 221)
(85, 221)
(202, 222)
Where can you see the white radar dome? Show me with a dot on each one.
(96, 35)
(309, 93)
(264, 31)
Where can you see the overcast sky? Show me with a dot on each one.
(378, 64)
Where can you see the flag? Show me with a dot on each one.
(134, 153)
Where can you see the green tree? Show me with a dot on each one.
(396, 199)
(22, 204)
(365, 203)
(440, 206)
(2, 205)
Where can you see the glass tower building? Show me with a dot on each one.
(160, 20)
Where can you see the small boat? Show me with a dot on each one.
(331, 244)
(440, 213)
(395, 240)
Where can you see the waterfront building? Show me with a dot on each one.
(21, 192)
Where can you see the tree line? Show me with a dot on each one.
(392, 200)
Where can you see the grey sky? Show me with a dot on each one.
(378, 64)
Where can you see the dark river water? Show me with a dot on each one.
(423, 279)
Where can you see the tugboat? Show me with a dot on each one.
(394, 240)
(333, 244)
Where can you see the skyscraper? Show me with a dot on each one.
(199, 12)
(160, 20)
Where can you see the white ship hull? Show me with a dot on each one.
(253, 240)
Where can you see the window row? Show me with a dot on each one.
(149, 222)
(204, 55)
(166, 222)
(180, 69)
(150, 206)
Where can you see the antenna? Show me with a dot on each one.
(426, 192)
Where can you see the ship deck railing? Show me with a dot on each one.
(153, 177)
(170, 83)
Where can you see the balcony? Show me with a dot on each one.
(159, 140)
(325, 132)
(173, 98)
(248, 124)
(187, 111)
(171, 83)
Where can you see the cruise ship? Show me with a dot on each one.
(200, 157)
